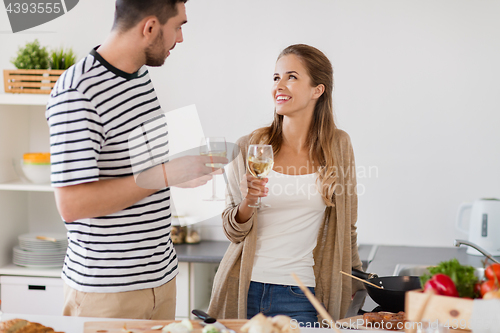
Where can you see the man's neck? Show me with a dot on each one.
(121, 52)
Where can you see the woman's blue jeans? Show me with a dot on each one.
(274, 299)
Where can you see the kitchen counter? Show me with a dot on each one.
(205, 251)
(213, 251)
(388, 257)
(75, 324)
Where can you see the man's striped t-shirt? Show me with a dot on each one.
(92, 112)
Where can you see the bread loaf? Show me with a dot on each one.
(23, 326)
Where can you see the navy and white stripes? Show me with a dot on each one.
(92, 113)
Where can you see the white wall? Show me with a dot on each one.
(416, 88)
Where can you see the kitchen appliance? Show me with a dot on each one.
(392, 297)
(484, 225)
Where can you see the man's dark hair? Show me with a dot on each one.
(130, 12)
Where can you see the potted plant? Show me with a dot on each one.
(62, 59)
(32, 75)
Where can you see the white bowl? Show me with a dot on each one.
(36, 173)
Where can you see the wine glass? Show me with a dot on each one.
(213, 146)
(260, 162)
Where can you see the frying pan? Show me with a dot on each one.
(392, 297)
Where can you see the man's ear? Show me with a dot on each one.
(318, 91)
(150, 26)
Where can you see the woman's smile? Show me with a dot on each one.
(282, 99)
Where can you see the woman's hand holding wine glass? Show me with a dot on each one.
(260, 160)
(253, 188)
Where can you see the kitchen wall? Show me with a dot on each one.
(416, 87)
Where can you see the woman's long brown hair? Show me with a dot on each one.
(321, 138)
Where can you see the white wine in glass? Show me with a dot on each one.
(214, 146)
(260, 161)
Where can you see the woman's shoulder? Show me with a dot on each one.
(243, 141)
(342, 138)
(239, 147)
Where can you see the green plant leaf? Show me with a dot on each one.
(61, 59)
(31, 56)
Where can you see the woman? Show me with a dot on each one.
(312, 234)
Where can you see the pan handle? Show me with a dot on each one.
(363, 275)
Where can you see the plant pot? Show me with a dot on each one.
(30, 81)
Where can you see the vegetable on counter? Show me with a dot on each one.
(210, 329)
(492, 272)
(462, 276)
(184, 326)
(441, 284)
(490, 288)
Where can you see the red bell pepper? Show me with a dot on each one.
(441, 284)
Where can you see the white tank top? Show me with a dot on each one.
(287, 231)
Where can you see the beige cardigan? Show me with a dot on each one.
(336, 247)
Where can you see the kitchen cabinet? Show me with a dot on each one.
(27, 207)
(45, 294)
(194, 286)
(24, 207)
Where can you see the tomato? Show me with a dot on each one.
(493, 271)
(488, 286)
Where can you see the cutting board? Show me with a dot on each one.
(140, 326)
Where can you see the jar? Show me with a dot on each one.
(178, 234)
(193, 234)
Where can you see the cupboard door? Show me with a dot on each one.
(182, 282)
(32, 295)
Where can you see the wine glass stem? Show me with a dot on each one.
(214, 187)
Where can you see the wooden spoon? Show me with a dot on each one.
(317, 305)
(364, 281)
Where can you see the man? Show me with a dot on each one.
(120, 261)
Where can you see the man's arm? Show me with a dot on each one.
(109, 196)
(99, 198)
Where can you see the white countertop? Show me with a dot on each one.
(58, 323)
(75, 324)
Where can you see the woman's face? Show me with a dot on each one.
(292, 89)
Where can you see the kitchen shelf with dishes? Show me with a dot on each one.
(23, 186)
(27, 207)
(15, 270)
(37, 255)
(34, 173)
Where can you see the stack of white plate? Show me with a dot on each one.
(41, 253)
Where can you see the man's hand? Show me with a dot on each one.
(183, 172)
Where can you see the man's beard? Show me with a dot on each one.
(156, 52)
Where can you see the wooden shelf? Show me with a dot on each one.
(12, 269)
(24, 99)
(21, 186)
